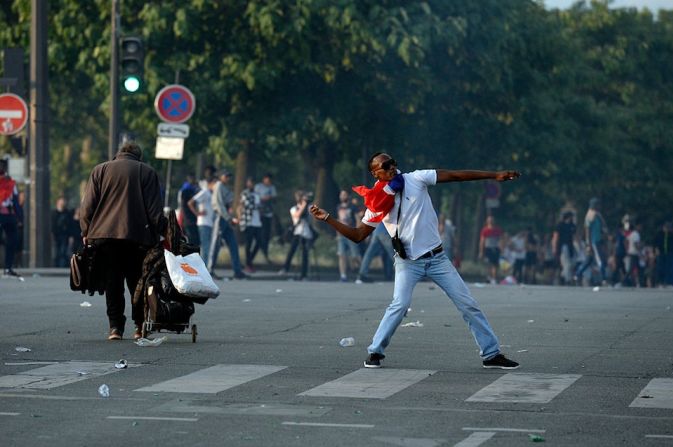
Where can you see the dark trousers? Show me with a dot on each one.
(252, 243)
(9, 226)
(265, 235)
(61, 258)
(192, 233)
(305, 247)
(665, 269)
(123, 263)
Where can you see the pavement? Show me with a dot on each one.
(267, 369)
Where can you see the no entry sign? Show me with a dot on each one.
(174, 103)
(13, 114)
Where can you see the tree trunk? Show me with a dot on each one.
(242, 162)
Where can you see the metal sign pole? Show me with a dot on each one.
(168, 183)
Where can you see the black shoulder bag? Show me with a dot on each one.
(398, 246)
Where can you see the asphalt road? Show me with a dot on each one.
(267, 370)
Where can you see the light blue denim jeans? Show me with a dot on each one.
(440, 270)
(205, 236)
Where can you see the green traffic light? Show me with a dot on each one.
(132, 84)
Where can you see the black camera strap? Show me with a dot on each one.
(398, 246)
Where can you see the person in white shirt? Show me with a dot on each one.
(201, 205)
(414, 219)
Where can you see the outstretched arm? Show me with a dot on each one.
(357, 234)
(444, 175)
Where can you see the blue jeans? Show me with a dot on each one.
(378, 246)
(439, 269)
(205, 236)
(223, 231)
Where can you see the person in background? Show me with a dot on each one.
(632, 259)
(267, 194)
(530, 265)
(379, 244)
(223, 229)
(202, 207)
(302, 234)
(594, 230)
(61, 218)
(250, 223)
(490, 242)
(11, 214)
(75, 232)
(663, 245)
(347, 250)
(517, 247)
(122, 217)
(187, 217)
(563, 246)
(448, 232)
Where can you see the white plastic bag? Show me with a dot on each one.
(190, 275)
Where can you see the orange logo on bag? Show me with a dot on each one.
(188, 268)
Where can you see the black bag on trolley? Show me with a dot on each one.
(165, 306)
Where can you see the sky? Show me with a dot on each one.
(652, 5)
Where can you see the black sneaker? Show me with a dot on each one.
(12, 273)
(374, 360)
(500, 362)
(241, 275)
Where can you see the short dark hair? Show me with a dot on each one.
(131, 147)
(371, 159)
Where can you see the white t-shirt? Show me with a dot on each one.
(204, 203)
(418, 227)
(632, 241)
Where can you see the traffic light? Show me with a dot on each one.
(132, 63)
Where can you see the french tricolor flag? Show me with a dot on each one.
(381, 198)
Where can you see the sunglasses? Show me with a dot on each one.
(386, 165)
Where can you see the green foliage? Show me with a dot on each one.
(579, 100)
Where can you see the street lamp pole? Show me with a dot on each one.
(39, 234)
(114, 83)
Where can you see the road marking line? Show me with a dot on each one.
(325, 424)
(516, 430)
(37, 396)
(525, 388)
(368, 384)
(153, 418)
(476, 439)
(409, 442)
(28, 363)
(58, 374)
(659, 394)
(8, 413)
(214, 379)
(660, 436)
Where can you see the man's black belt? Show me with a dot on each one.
(431, 253)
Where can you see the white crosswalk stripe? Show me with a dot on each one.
(214, 379)
(58, 374)
(370, 384)
(657, 394)
(361, 384)
(524, 388)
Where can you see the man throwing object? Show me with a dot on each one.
(412, 218)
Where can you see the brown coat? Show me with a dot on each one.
(123, 201)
